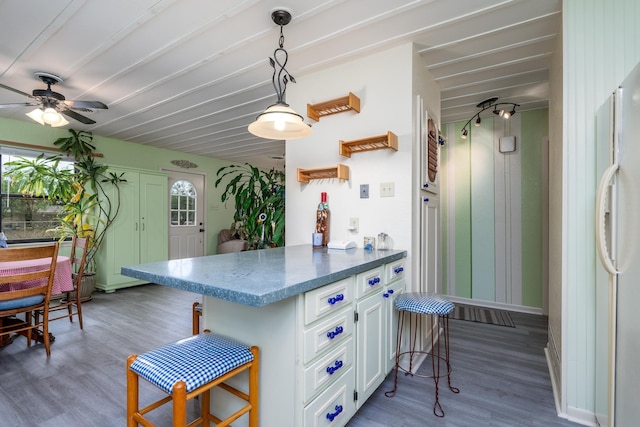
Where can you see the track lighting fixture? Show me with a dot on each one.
(485, 105)
(279, 121)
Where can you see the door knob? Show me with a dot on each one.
(201, 230)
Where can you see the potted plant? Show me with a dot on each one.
(259, 203)
(86, 210)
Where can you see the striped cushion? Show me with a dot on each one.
(423, 303)
(196, 360)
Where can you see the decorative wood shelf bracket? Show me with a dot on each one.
(388, 140)
(340, 171)
(335, 106)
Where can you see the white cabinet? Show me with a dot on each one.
(370, 333)
(318, 363)
(139, 233)
(376, 327)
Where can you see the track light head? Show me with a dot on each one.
(478, 121)
(464, 134)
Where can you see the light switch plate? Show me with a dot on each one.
(387, 189)
(364, 191)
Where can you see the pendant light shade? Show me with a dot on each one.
(279, 121)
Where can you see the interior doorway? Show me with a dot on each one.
(187, 231)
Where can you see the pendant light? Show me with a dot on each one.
(279, 121)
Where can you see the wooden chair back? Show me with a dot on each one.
(41, 287)
(46, 275)
(71, 305)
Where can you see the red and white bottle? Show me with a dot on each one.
(322, 219)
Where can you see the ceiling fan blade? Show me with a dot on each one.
(17, 104)
(15, 90)
(78, 117)
(86, 104)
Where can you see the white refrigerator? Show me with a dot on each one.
(617, 230)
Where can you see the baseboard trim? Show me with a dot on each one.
(576, 415)
(496, 305)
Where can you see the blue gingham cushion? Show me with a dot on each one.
(423, 303)
(196, 360)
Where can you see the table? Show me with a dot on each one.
(62, 282)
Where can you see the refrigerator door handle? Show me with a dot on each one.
(601, 239)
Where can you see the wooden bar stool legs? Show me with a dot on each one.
(189, 368)
(414, 306)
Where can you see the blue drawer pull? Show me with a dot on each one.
(374, 280)
(331, 416)
(388, 293)
(425, 185)
(332, 334)
(337, 365)
(398, 270)
(335, 299)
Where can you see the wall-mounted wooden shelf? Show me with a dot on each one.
(388, 140)
(339, 171)
(335, 106)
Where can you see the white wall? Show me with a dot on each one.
(384, 83)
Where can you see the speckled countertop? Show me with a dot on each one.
(259, 278)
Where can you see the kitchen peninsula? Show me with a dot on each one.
(322, 318)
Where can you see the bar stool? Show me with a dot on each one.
(191, 367)
(438, 309)
(196, 313)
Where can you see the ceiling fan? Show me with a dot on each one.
(50, 105)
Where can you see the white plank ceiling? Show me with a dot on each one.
(190, 75)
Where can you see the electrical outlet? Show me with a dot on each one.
(354, 224)
(387, 189)
(364, 191)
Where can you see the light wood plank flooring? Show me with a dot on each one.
(500, 371)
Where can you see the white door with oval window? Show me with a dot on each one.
(186, 215)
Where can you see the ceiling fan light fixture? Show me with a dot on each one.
(279, 121)
(47, 117)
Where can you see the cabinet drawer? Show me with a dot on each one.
(327, 334)
(335, 406)
(395, 270)
(327, 299)
(369, 282)
(328, 369)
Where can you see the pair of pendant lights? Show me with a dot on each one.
(279, 121)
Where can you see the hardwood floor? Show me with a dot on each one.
(501, 372)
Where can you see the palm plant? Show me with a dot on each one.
(86, 209)
(259, 203)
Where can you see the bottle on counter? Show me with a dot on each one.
(322, 219)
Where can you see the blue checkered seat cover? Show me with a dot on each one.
(196, 360)
(423, 303)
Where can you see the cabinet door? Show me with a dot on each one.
(154, 220)
(391, 292)
(123, 243)
(370, 331)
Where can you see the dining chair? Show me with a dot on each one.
(71, 304)
(27, 291)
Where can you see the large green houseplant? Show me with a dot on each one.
(81, 192)
(259, 203)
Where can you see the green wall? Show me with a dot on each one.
(534, 127)
(122, 153)
(473, 256)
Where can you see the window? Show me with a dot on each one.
(183, 203)
(24, 218)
